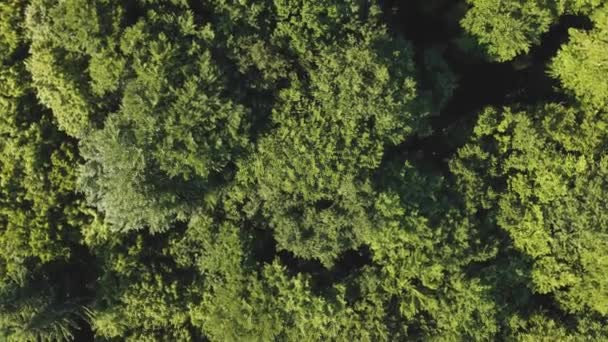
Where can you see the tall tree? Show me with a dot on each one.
(510, 28)
(160, 131)
(142, 294)
(40, 215)
(582, 65)
(344, 103)
(540, 176)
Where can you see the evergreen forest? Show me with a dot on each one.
(303, 170)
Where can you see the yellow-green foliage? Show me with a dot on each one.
(40, 213)
(295, 170)
(582, 63)
(541, 174)
(510, 28)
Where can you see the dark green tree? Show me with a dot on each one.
(150, 98)
(142, 294)
(344, 104)
(40, 214)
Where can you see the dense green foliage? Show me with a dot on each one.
(293, 170)
(509, 28)
(582, 64)
(540, 176)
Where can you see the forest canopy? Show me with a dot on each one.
(295, 170)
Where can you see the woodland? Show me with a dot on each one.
(303, 170)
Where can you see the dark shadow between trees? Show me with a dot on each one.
(481, 83)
